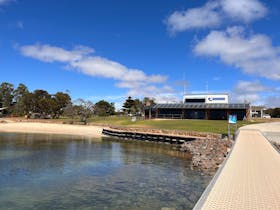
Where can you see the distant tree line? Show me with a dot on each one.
(275, 113)
(20, 101)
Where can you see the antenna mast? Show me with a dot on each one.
(184, 83)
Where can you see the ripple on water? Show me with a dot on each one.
(71, 173)
(12, 154)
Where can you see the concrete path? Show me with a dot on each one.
(250, 179)
(270, 130)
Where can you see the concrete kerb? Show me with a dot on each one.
(199, 204)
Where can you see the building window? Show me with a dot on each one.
(195, 100)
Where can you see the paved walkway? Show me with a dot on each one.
(270, 130)
(250, 178)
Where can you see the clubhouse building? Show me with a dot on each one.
(200, 106)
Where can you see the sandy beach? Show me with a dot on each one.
(37, 127)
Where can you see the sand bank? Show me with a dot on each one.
(32, 127)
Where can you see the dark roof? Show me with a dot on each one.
(201, 106)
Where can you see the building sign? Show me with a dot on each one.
(232, 119)
(216, 99)
(206, 98)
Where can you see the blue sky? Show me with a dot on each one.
(111, 49)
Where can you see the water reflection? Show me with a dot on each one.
(68, 172)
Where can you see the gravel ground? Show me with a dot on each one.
(274, 138)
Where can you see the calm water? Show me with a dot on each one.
(66, 172)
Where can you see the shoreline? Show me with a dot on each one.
(51, 128)
(208, 150)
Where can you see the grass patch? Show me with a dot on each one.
(212, 126)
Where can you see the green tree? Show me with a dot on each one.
(148, 101)
(138, 107)
(19, 94)
(128, 105)
(28, 103)
(6, 95)
(41, 100)
(104, 108)
(58, 103)
(37, 102)
(275, 113)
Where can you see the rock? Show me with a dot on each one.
(208, 154)
(208, 150)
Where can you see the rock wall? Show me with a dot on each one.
(207, 154)
(208, 150)
(170, 132)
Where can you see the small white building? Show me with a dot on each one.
(259, 111)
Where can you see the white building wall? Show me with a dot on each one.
(209, 98)
(216, 99)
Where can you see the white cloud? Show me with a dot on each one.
(252, 98)
(97, 66)
(202, 17)
(130, 84)
(248, 91)
(250, 87)
(150, 91)
(253, 54)
(216, 12)
(164, 94)
(2, 2)
(244, 10)
(109, 98)
(216, 78)
(168, 98)
(20, 25)
(82, 60)
(255, 93)
(51, 54)
(272, 101)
